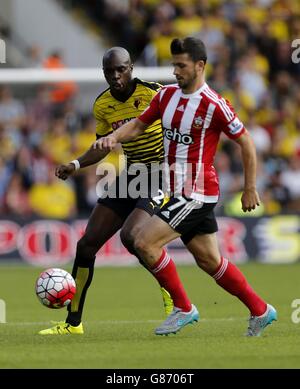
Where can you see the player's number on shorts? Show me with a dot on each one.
(181, 201)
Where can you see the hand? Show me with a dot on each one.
(106, 143)
(250, 200)
(64, 171)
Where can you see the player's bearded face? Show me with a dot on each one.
(184, 70)
(188, 79)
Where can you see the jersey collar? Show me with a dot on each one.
(196, 93)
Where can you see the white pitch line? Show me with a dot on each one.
(102, 322)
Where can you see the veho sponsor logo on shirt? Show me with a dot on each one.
(176, 136)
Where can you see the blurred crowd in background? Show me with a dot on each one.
(249, 63)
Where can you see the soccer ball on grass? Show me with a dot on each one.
(55, 288)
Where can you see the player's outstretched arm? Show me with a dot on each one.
(250, 198)
(125, 133)
(90, 157)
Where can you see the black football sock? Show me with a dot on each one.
(83, 277)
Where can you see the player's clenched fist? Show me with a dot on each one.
(64, 171)
(106, 143)
(250, 200)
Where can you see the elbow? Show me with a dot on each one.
(246, 141)
(139, 127)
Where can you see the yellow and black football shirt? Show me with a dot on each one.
(111, 113)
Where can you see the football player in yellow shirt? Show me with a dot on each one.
(125, 99)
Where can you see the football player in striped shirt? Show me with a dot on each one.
(193, 118)
(125, 99)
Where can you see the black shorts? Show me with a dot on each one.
(188, 217)
(123, 204)
(124, 207)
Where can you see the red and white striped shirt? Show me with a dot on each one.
(192, 124)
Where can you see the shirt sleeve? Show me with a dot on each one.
(152, 113)
(227, 120)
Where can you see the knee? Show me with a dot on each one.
(84, 243)
(81, 245)
(208, 262)
(128, 239)
(85, 251)
(134, 240)
(141, 245)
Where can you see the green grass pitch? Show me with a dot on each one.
(123, 308)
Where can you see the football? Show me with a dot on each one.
(55, 288)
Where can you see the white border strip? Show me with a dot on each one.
(29, 76)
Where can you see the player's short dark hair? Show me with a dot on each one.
(194, 47)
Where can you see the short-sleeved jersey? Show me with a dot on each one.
(111, 113)
(192, 124)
